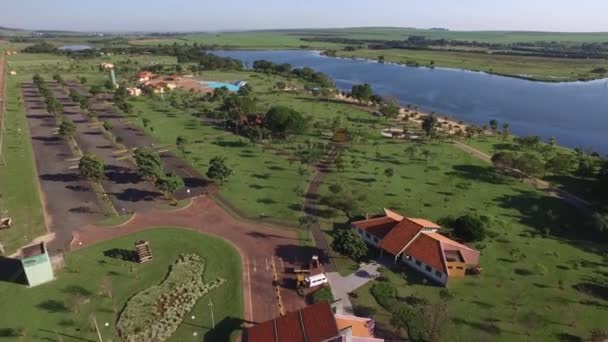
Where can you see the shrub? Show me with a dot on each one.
(385, 294)
(155, 313)
(323, 294)
(349, 243)
(467, 227)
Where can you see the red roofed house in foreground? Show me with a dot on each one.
(417, 243)
(314, 323)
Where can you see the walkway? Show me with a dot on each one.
(258, 245)
(342, 286)
(539, 184)
(310, 205)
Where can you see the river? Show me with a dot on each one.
(576, 113)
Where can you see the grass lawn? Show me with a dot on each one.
(265, 176)
(536, 243)
(577, 185)
(44, 311)
(536, 68)
(18, 180)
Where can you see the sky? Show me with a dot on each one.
(207, 15)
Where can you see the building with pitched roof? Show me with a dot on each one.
(417, 243)
(314, 323)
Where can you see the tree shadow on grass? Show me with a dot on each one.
(122, 254)
(52, 306)
(77, 290)
(594, 289)
(489, 328)
(475, 172)
(543, 214)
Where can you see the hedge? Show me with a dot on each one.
(155, 314)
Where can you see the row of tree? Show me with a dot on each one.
(315, 79)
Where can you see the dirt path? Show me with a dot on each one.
(539, 184)
(258, 245)
(311, 197)
(68, 201)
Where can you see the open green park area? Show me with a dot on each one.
(97, 282)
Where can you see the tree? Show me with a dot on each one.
(390, 110)
(335, 188)
(530, 164)
(429, 124)
(362, 92)
(493, 125)
(245, 90)
(280, 85)
(503, 160)
(528, 142)
(505, 131)
(283, 121)
(84, 103)
(560, 164)
(91, 168)
(83, 80)
(169, 184)
(323, 294)
(218, 170)
(107, 126)
(67, 128)
(389, 172)
(181, 142)
(468, 227)
(347, 242)
(145, 122)
(149, 164)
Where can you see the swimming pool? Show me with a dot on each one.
(230, 86)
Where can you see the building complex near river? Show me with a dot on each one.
(417, 243)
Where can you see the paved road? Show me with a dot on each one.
(67, 200)
(257, 244)
(342, 286)
(125, 187)
(132, 137)
(540, 184)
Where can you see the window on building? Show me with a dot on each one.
(376, 240)
(449, 267)
(418, 263)
(368, 236)
(438, 274)
(428, 268)
(459, 267)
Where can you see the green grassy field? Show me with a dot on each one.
(389, 33)
(553, 239)
(44, 312)
(244, 40)
(18, 179)
(535, 68)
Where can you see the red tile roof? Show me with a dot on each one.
(314, 323)
(379, 227)
(398, 237)
(427, 250)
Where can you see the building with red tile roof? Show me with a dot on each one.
(314, 323)
(417, 243)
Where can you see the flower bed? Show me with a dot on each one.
(155, 313)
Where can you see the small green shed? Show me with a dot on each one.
(36, 264)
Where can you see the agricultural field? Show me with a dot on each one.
(66, 307)
(539, 256)
(535, 68)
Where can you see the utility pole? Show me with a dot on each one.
(212, 320)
